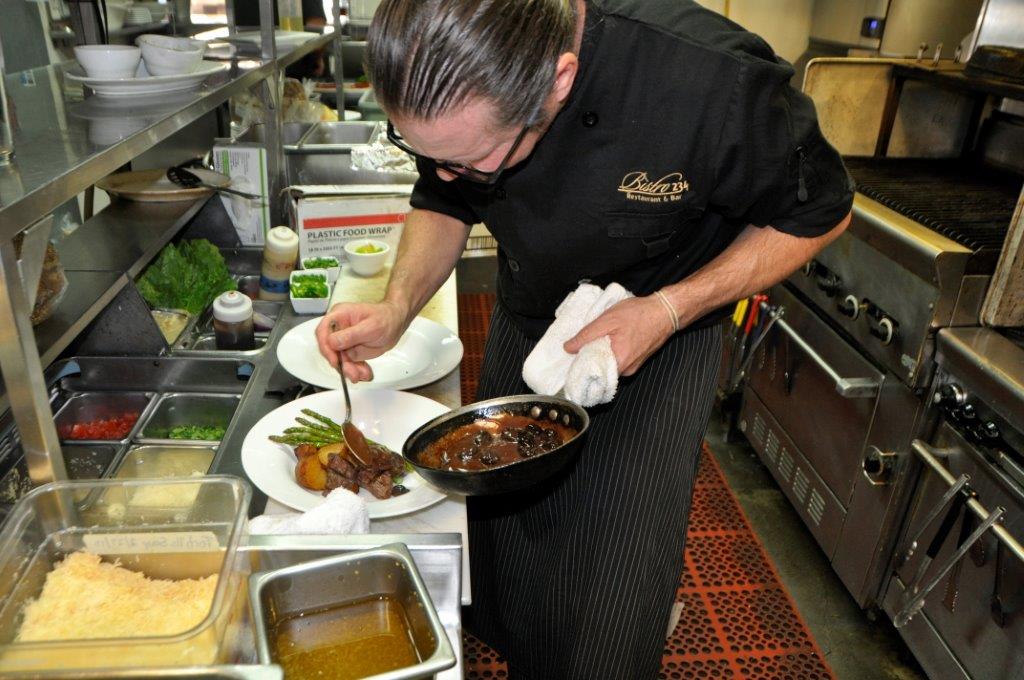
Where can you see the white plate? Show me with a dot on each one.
(426, 352)
(144, 84)
(384, 416)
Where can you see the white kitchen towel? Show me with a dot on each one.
(342, 512)
(593, 370)
(546, 367)
(594, 374)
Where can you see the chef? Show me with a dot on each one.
(646, 142)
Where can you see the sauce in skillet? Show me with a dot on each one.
(495, 441)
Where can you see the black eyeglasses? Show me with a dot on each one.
(464, 171)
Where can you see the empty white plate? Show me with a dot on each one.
(426, 352)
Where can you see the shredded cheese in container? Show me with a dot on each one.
(86, 598)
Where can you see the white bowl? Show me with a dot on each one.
(109, 61)
(309, 305)
(168, 56)
(367, 264)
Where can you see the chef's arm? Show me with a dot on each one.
(428, 251)
(758, 259)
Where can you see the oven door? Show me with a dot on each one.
(972, 622)
(815, 409)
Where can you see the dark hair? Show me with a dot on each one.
(426, 57)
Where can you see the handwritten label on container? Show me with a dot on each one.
(179, 541)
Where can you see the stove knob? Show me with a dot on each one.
(949, 396)
(968, 412)
(882, 328)
(990, 431)
(849, 307)
(829, 284)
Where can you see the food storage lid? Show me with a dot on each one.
(232, 307)
(282, 240)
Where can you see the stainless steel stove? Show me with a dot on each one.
(957, 591)
(837, 387)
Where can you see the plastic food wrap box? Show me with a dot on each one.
(328, 217)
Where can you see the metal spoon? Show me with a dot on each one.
(190, 180)
(353, 436)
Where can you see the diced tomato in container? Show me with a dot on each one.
(104, 428)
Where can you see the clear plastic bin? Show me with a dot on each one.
(97, 516)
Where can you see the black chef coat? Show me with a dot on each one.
(680, 130)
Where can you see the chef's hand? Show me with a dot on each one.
(365, 331)
(637, 326)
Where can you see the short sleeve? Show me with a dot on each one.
(773, 166)
(434, 194)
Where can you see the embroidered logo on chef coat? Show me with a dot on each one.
(638, 186)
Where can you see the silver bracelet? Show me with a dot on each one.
(671, 310)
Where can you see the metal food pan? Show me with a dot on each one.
(207, 343)
(331, 136)
(269, 309)
(89, 461)
(294, 591)
(174, 409)
(165, 460)
(89, 406)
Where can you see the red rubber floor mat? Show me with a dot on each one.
(737, 621)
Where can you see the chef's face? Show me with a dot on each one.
(470, 138)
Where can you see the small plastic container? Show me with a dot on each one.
(62, 518)
(232, 322)
(279, 256)
(304, 305)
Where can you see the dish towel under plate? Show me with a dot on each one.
(342, 512)
(589, 377)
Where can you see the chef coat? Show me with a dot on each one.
(680, 130)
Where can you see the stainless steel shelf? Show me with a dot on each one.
(54, 157)
(87, 295)
(125, 236)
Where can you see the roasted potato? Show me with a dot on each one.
(310, 474)
(303, 450)
(324, 453)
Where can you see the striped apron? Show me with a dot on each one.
(576, 578)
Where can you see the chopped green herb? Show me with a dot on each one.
(320, 263)
(198, 432)
(309, 286)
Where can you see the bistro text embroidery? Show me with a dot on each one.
(638, 187)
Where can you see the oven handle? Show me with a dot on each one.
(850, 388)
(931, 457)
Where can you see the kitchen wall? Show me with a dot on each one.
(785, 24)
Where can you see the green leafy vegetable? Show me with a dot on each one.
(309, 286)
(188, 276)
(198, 432)
(320, 263)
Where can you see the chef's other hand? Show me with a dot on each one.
(364, 331)
(637, 326)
